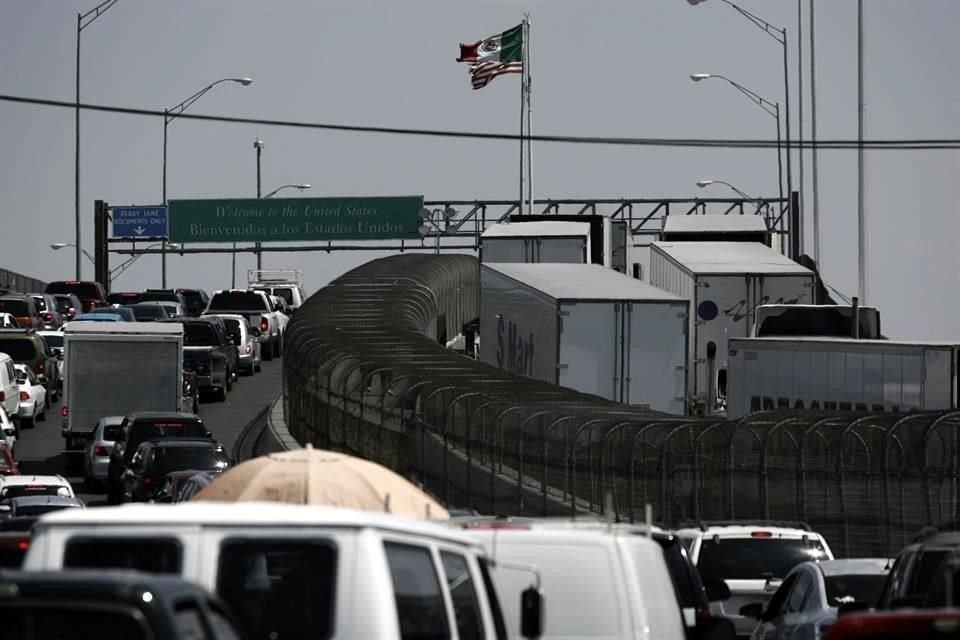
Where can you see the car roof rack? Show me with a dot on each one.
(703, 525)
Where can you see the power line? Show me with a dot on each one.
(916, 144)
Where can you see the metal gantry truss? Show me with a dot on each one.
(465, 220)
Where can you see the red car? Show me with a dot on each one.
(91, 294)
(911, 624)
(8, 466)
(23, 308)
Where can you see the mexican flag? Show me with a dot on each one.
(493, 56)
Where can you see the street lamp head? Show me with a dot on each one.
(244, 81)
(302, 187)
(695, 2)
(258, 144)
(705, 183)
(697, 77)
(173, 245)
(59, 245)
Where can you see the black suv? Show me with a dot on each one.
(102, 604)
(140, 427)
(157, 457)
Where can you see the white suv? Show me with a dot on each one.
(752, 557)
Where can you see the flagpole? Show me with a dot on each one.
(526, 71)
(523, 115)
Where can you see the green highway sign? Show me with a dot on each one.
(294, 219)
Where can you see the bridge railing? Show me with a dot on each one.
(365, 372)
(13, 281)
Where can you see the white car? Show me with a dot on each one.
(33, 396)
(7, 321)
(55, 342)
(752, 557)
(23, 485)
(9, 431)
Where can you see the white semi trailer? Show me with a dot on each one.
(725, 282)
(586, 327)
(840, 374)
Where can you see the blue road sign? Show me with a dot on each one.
(139, 222)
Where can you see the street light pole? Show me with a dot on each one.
(82, 23)
(772, 108)
(258, 145)
(169, 115)
(780, 35)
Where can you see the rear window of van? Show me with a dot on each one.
(20, 349)
(152, 555)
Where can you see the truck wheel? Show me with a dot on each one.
(27, 423)
(267, 354)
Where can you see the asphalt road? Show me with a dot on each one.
(39, 450)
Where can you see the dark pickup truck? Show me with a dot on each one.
(210, 353)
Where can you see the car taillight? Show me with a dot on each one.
(264, 325)
(248, 349)
(40, 367)
(46, 315)
(761, 534)
(23, 545)
(100, 451)
(147, 480)
(3, 396)
(64, 411)
(24, 396)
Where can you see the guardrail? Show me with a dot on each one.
(14, 281)
(365, 372)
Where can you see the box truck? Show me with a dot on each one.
(116, 368)
(823, 320)
(840, 374)
(536, 242)
(588, 328)
(725, 282)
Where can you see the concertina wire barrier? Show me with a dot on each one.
(366, 371)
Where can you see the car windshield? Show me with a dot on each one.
(110, 432)
(20, 349)
(15, 307)
(752, 558)
(167, 459)
(158, 296)
(237, 301)
(854, 588)
(233, 326)
(164, 428)
(83, 290)
(149, 312)
(19, 490)
(198, 334)
(40, 509)
(41, 302)
(284, 292)
(55, 340)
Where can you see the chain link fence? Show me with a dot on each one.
(366, 371)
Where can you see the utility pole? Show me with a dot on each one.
(814, 173)
(258, 145)
(861, 210)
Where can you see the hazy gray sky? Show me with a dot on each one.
(600, 68)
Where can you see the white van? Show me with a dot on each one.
(292, 570)
(598, 581)
(9, 390)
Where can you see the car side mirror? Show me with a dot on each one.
(852, 607)
(207, 434)
(753, 610)
(717, 590)
(5, 508)
(715, 628)
(531, 613)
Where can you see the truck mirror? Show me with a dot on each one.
(531, 613)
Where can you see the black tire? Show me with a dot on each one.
(27, 423)
(256, 368)
(267, 351)
(229, 380)
(43, 416)
(221, 394)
